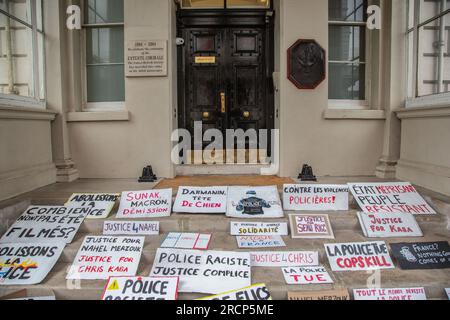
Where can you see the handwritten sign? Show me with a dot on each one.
(447, 291)
(284, 259)
(30, 295)
(28, 264)
(46, 224)
(394, 197)
(194, 241)
(245, 242)
(307, 275)
(201, 200)
(258, 229)
(311, 226)
(130, 228)
(425, 255)
(330, 295)
(257, 292)
(314, 197)
(100, 204)
(389, 225)
(146, 58)
(102, 257)
(209, 272)
(359, 256)
(145, 204)
(390, 294)
(139, 288)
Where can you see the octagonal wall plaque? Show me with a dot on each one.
(306, 64)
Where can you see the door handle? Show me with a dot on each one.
(223, 103)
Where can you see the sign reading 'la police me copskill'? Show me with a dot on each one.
(390, 198)
(359, 256)
(315, 197)
(100, 204)
(389, 225)
(201, 200)
(424, 255)
(258, 229)
(139, 288)
(145, 204)
(257, 292)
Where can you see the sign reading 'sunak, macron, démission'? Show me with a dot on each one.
(145, 204)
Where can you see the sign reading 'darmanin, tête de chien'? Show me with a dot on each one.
(398, 294)
(139, 288)
(100, 204)
(330, 295)
(359, 256)
(313, 197)
(201, 200)
(146, 58)
(28, 264)
(424, 255)
(46, 224)
(258, 229)
(209, 272)
(390, 198)
(145, 204)
(102, 257)
(389, 225)
(307, 275)
(194, 241)
(257, 292)
(130, 228)
(311, 226)
(248, 242)
(284, 259)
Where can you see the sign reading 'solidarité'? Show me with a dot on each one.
(258, 229)
(424, 255)
(201, 200)
(145, 204)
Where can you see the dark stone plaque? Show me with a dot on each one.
(306, 64)
(423, 255)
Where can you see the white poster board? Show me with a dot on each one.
(311, 226)
(46, 224)
(145, 204)
(252, 242)
(307, 275)
(101, 257)
(254, 202)
(257, 292)
(141, 288)
(130, 228)
(209, 272)
(194, 241)
(100, 204)
(315, 197)
(399, 294)
(395, 197)
(258, 229)
(28, 264)
(389, 225)
(284, 259)
(447, 291)
(146, 58)
(201, 200)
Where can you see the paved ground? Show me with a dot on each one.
(345, 225)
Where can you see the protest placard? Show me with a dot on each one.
(447, 291)
(145, 204)
(28, 263)
(100, 204)
(141, 288)
(398, 294)
(30, 295)
(285, 259)
(329, 295)
(130, 228)
(257, 292)
(258, 229)
(194, 241)
(315, 197)
(396, 197)
(201, 200)
(424, 255)
(359, 256)
(307, 275)
(209, 272)
(46, 224)
(101, 257)
(311, 226)
(248, 242)
(389, 225)
(254, 202)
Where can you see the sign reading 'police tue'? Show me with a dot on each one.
(254, 202)
(425, 255)
(201, 200)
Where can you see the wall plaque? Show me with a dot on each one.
(146, 58)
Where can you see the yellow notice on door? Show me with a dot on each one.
(205, 60)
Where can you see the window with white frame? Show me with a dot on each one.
(22, 78)
(428, 52)
(104, 53)
(347, 52)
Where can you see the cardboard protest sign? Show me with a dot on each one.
(258, 229)
(311, 226)
(447, 291)
(248, 242)
(389, 225)
(130, 228)
(100, 204)
(30, 295)
(396, 197)
(201, 200)
(209, 272)
(425, 255)
(330, 295)
(315, 197)
(284, 259)
(187, 241)
(139, 288)
(46, 224)
(257, 292)
(145, 204)
(28, 263)
(358, 256)
(307, 275)
(390, 294)
(254, 202)
(102, 257)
